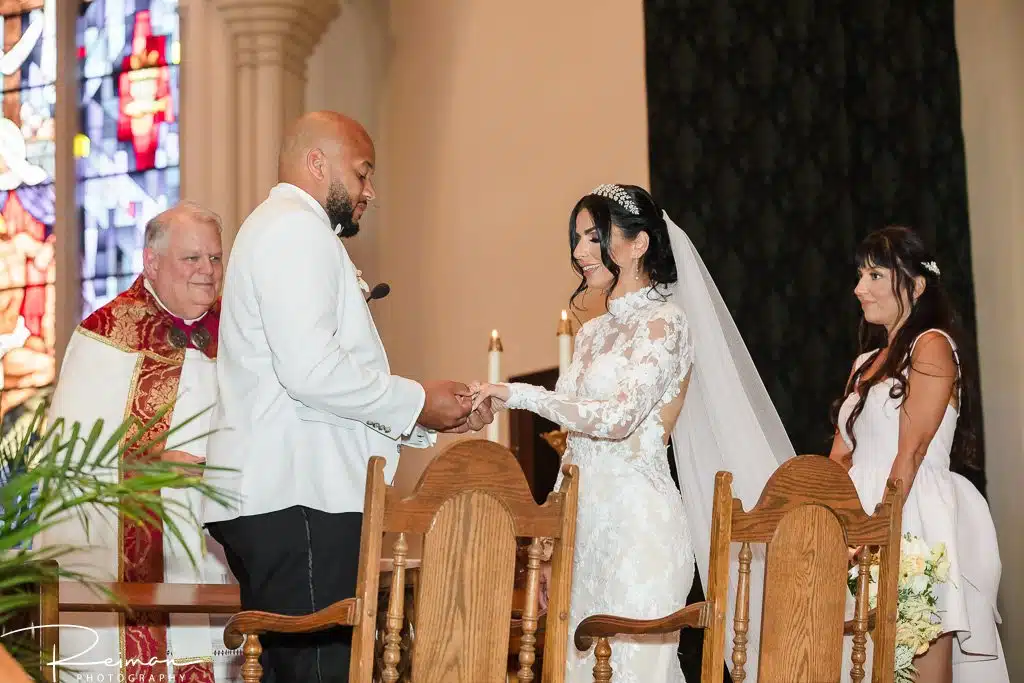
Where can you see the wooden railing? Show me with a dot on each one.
(114, 597)
(169, 598)
(182, 598)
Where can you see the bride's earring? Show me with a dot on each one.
(636, 270)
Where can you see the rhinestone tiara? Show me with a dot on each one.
(932, 266)
(617, 195)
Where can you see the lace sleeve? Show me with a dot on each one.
(651, 366)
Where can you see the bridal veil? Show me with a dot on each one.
(728, 422)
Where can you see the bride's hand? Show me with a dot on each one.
(498, 393)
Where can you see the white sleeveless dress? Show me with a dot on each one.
(634, 557)
(942, 506)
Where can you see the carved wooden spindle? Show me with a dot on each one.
(602, 661)
(860, 617)
(742, 618)
(396, 613)
(528, 641)
(252, 672)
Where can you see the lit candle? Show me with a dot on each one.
(494, 376)
(564, 344)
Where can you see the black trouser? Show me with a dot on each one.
(296, 561)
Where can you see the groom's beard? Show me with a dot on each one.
(340, 210)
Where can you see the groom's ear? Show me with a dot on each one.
(316, 163)
(640, 245)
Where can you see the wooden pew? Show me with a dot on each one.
(167, 598)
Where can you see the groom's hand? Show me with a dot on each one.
(446, 406)
(481, 416)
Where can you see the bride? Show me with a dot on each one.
(666, 359)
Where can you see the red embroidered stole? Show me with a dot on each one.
(135, 323)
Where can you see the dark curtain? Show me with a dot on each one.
(781, 133)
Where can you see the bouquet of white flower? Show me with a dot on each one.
(917, 619)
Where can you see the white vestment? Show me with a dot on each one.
(95, 383)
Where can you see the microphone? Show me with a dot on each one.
(379, 291)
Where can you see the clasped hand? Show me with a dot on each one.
(455, 408)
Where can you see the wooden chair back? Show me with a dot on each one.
(470, 506)
(807, 517)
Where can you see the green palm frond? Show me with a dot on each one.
(52, 473)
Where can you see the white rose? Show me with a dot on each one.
(919, 584)
(915, 546)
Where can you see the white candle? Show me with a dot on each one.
(564, 344)
(494, 376)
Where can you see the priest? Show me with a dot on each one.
(154, 343)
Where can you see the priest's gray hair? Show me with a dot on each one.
(156, 229)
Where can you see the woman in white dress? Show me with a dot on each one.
(632, 372)
(904, 416)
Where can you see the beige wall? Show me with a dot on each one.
(990, 42)
(494, 126)
(494, 119)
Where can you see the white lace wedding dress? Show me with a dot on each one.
(634, 557)
(942, 506)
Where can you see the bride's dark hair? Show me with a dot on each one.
(658, 263)
(902, 251)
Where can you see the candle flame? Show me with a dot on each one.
(564, 326)
(495, 344)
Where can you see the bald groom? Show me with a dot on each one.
(307, 397)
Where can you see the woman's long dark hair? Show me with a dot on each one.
(902, 251)
(658, 263)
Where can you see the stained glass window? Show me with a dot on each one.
(126, 157)
(127, 148)
(27, 263)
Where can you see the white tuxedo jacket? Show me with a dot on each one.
(305, 393)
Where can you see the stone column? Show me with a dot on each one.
(272, 40)
(67, 227)
(208, 160)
